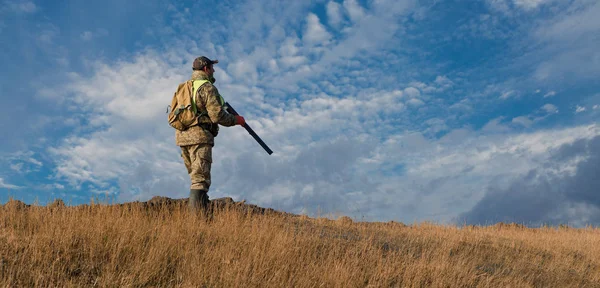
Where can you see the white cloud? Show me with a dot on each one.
(243, 69)
(354, 10)
(415, 102)
(549, 94)
(18, 167)
(579, 19)
(35, 162)
(289, 47)
(315, 32)
(23, 162)
(8, 186)
(522, 120)
(440, 84)
(113, 97)
(573, 64)
(549, 108)
(86, 36)
(435, 125)
(464, 163)
(499, 5)
(334, 13)
(535, 117)
(443, 82)
(22, 6)
(53, 187)
(529, 4)
(293, 61)
(89, 35)
(46, 36)
(360, 40)
(461, 153)
(485, 26)
(596, 107)
(508, 94)
(509, 7)
(463, 105)
(495, 125)
(412, 92)
(579, 109)
(568, 46)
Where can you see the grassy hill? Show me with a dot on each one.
(159, 243)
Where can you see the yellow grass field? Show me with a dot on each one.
(161, 244)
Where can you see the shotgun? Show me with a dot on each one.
(230, 110)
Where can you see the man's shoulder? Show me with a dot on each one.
(208, 87)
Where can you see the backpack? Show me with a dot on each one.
(184, 113)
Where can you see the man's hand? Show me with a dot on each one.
(240, 120)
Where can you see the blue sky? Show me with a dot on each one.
(445, 111)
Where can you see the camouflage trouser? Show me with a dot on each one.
(197, 160)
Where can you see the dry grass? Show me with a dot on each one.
(133, 245)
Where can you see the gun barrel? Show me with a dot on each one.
(250, 131)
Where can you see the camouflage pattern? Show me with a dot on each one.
(207, 101)
(198, 159)
(201, 62)
(196, 142)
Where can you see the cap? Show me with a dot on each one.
(202, 61)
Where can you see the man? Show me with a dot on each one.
(197, 141)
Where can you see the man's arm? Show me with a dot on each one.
(216, 113)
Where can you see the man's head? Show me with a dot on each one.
(202, 63)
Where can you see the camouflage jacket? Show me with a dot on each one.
(207, 101)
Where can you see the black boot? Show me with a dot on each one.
(198, 200)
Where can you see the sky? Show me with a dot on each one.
(453, 112)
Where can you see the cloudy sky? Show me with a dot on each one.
(438, 110)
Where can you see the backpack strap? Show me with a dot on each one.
(197, 84)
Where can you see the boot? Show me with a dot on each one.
(198, 200)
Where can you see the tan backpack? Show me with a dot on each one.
(183, 113)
